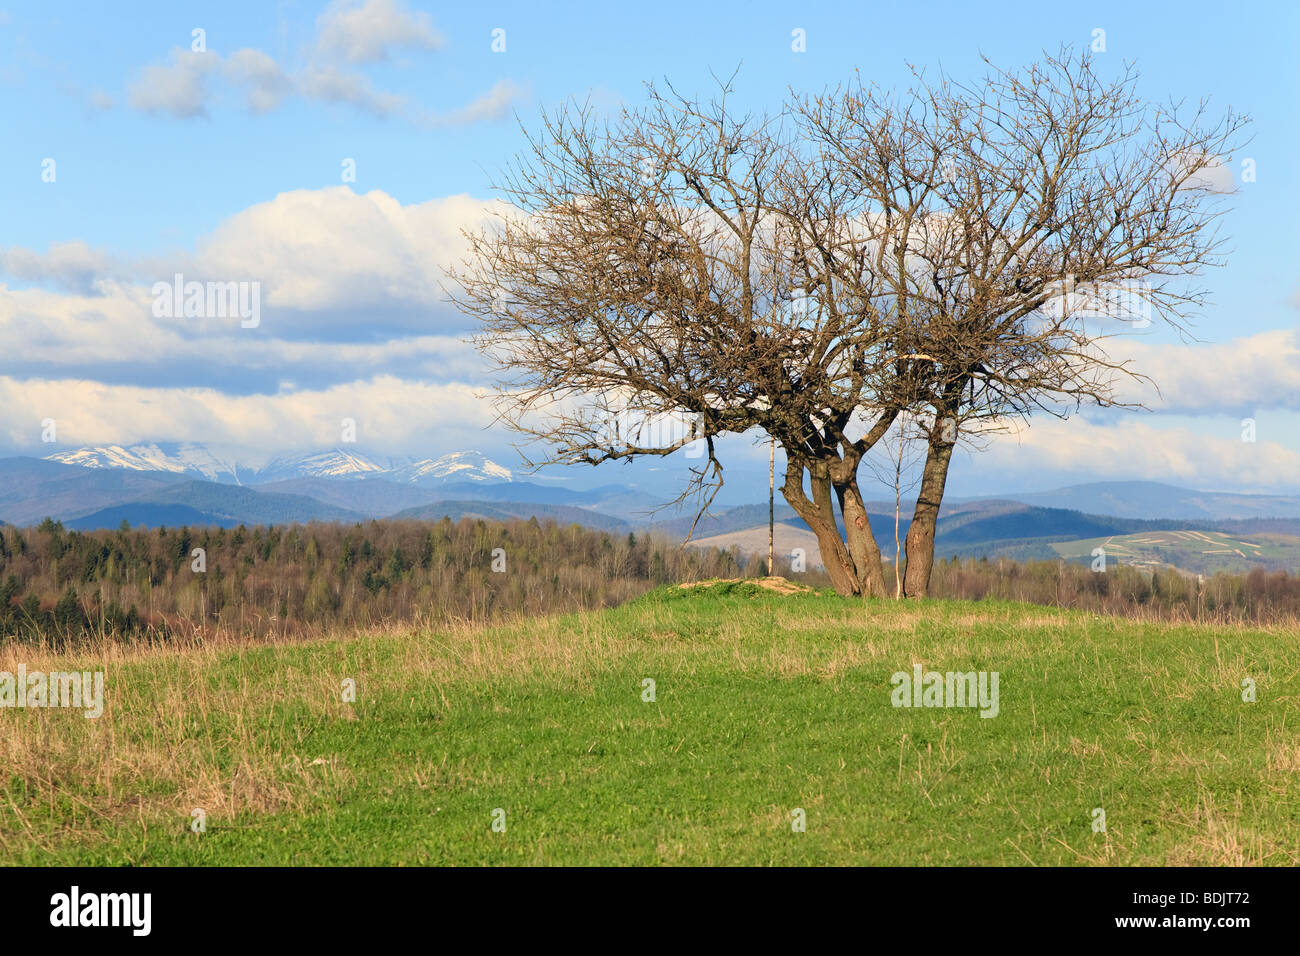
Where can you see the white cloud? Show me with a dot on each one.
(47, 332)
(366, 32)
(350, 33)
(492, 105)
(72, 265)
(349, 288)
(180, 88)
(333, 248)
(1255, 372)
(332, 262)
(393, 416)
(1135, 449)
(331, 85)
(265, 85)
(312, 250)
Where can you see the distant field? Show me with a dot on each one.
(764, 704)
(754, 541)
(1199, 552)
(1193, 552)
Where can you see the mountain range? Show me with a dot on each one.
(177, 458)
(1154, 500)
(195, 460)
(185, 483)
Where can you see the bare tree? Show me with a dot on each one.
(817, 274)
(1018, 222)
(663, 269)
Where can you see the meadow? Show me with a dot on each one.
(539, 741)
(1195, 552)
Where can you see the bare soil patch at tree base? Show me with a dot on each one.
(778, 584)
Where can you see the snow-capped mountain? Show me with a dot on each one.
(458, 466)
(193, 459)
(181, 458)
(335, 463)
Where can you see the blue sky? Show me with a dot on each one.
(230, 163)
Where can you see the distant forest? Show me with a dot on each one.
(1259, 597)
(60, 587)
(169, 584)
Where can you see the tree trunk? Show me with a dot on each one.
(862, 541)
(845, 567)
(925, 517)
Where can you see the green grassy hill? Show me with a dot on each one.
(764, 704)
(1196, 552)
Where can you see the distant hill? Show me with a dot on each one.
(725, 521)
(149, 516)
(249, 506)
(32, 489)
(753, 541)
(110, 484)
(372, 497)
(964, 522)
(216, 504)
(506, 510)
(521, 491)
(1289, 526)
(1195, 552)
(382, 497)
(993, 528)
(995, 520)
(1153, 500)
(86, 496)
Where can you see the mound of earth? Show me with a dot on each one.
(777, 584)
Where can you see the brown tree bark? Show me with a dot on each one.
(925, 517)
(855, 568)
(861, 540)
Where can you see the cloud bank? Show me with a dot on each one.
(350, 34)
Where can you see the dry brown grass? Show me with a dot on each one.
(778, 584)
(1218, 838)
(1282, 754)
(145, 759)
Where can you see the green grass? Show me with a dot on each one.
(764, 704)
(1196, 552)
